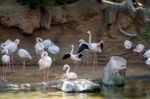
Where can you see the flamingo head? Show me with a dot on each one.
(147, 61)
(88, 32)
(65, 67)
(81, 41)
(44, 54)
(39, 39)
(17, 41)
(72, 45)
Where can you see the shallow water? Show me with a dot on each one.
(133, 89)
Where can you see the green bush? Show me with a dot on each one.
(40, 3)
(34, 3)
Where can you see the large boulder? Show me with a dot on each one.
(114, 72)
(80, 85)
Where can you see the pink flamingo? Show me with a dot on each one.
(11, 47)
(93, 47)
(5, 60)
(44, 63)
(24, 54)
(75, 57)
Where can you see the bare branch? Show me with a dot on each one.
(126, 33)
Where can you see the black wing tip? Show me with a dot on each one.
(66, 56)
(80, 55)
(102, 44)
(82, 48)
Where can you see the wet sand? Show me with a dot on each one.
(33, 74)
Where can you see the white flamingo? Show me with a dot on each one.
(24, 54)
(75, 57)
(11, 47)
(127, 45)
(53, 49)
(69, 75)
(93, 47)
(139, 49)
(39, 49)
(44, 63)
(147, 54)
(6, 42)
(5, 61)
(147, 61)
(47, 43)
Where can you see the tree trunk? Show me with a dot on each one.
(113, 9)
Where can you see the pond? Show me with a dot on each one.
(133, 89)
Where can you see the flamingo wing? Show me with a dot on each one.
(66, 56)
(83, 47)
(102, 45)
(80, 55)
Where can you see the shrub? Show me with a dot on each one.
(34, 3)
(40, 3)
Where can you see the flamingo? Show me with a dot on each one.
(75, 57)
(147, 54)
(39, 49)
(93, 47)
(24, 54)
(6, 42)
(139, 49)
(69, 75)
(53, 49)
(5, 60)
(44, 63)
(11, 47)
(127, 45)
(46, 42)
(147, 61)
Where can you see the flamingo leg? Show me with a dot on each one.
(54, 61)
(8, 67)
(6, 71)
(3, 71)
(87, 58)
(47, 74)
(12, 61)
(24, 66)
(76, 66)
(38, 58)
(44, 75)
(128, 56)
(94, 62)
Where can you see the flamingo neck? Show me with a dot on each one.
(17, 41)
(44, 54)
(72, 49)
(90, 37)
(39, 39)
(3, 45)
(68, 69)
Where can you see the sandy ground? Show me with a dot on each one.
(33, 74)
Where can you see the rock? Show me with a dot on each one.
(80, 85)
(114, 72)
(23, 86)
(28, 20)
